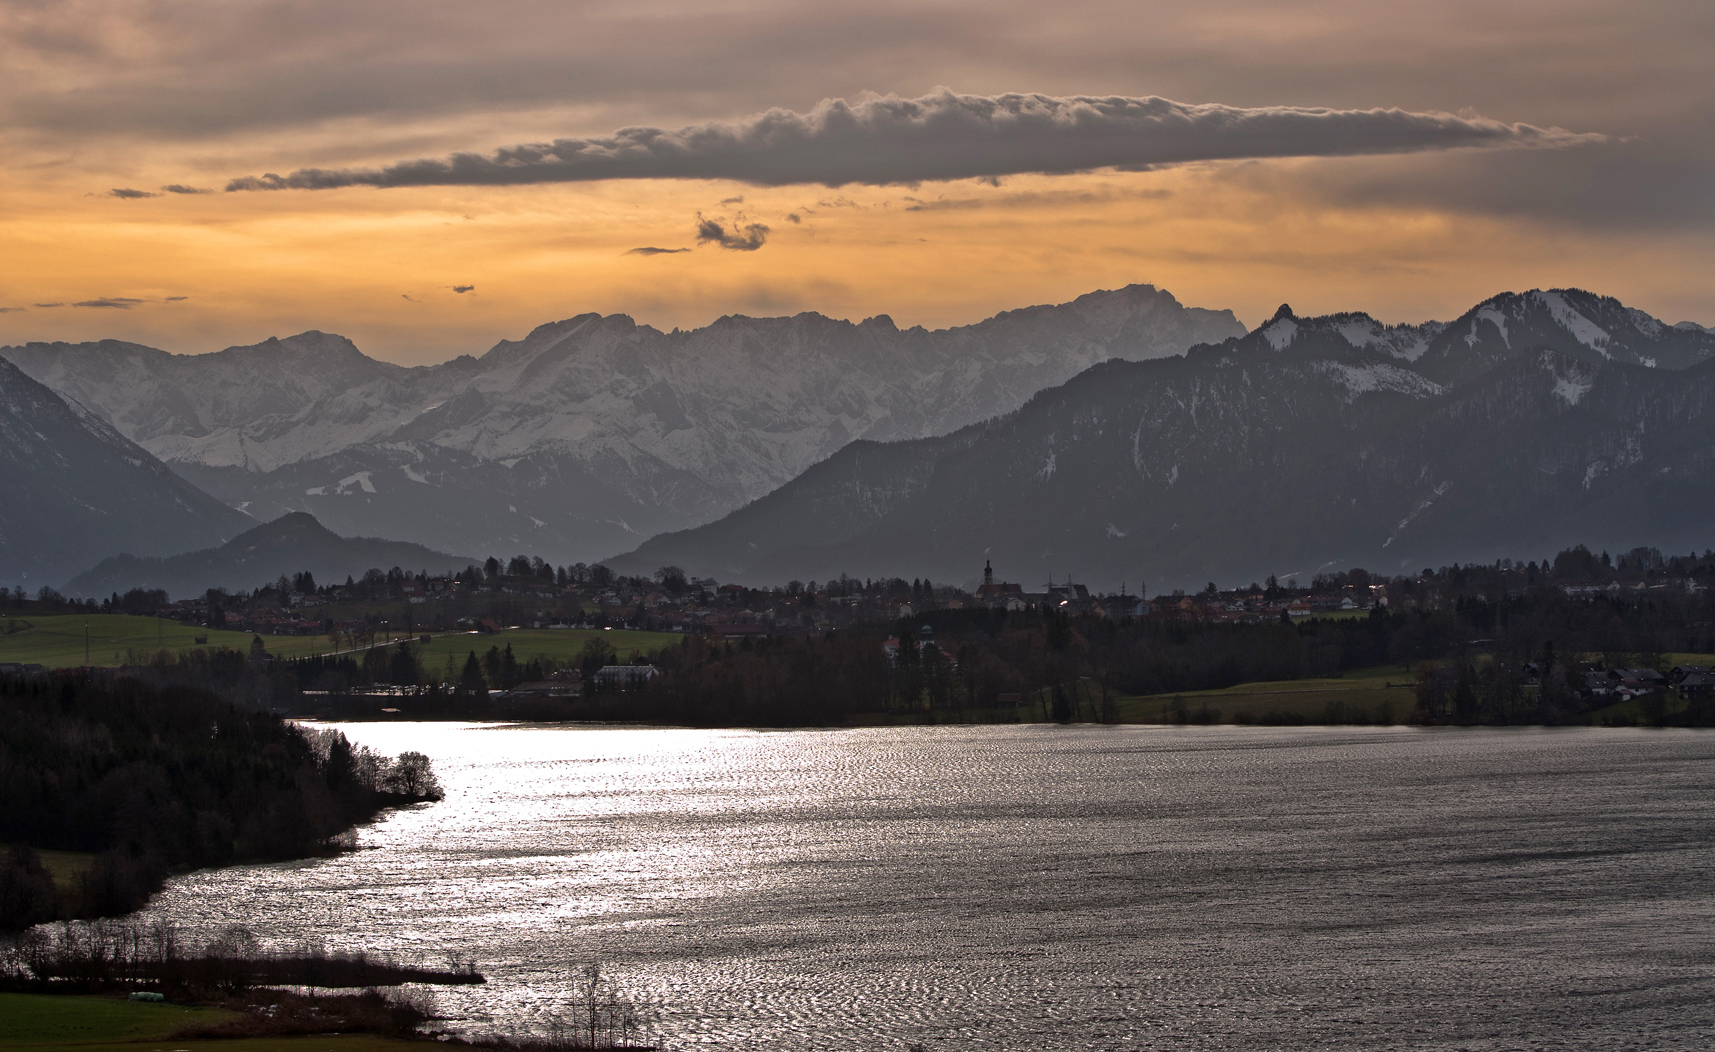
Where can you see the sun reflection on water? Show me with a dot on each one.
(1010, 886)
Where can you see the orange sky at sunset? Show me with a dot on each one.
(125, 100)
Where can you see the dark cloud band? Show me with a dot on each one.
(887, 139)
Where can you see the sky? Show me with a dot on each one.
(428, 178)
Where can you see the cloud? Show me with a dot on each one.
(403, 296)
(128, 194)
(945, 204)
(793, 217)
(177, 188)
(462, 289)
(175, 299)
(12, 310)
(49, 304)
(746, 238)
(110, 302)
(651, 250)
(739, 200)
(884, 139)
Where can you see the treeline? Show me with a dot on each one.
(129, 953)
(1520, 657)
(152, 778)
(1073, 668)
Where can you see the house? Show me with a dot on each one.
(625, 677)
(1631, 682)
(1697, 685)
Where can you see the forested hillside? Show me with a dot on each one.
(151, 780)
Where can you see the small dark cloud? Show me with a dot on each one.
(129, 194)
(945, 205)
(11, 310)
(175, 299)
(744, 238)
(462, 289)
(651, 250)
(405, 297)
(49, 304)
(178, 188)
(111, 303)
(888, 140)
(739, 200)
(792, 217)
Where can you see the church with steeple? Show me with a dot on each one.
(1002, 594)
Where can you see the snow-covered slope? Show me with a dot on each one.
(589, 433)
(1299, 447)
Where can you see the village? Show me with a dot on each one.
(529, 592)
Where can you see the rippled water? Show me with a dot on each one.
(1044, 887)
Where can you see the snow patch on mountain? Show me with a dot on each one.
(1571, 390)
(1366, 379)
(1571, 380)
(1422, 506)
(1279, 333)
(1359, 331)
(1493, 317)
(1582, 329)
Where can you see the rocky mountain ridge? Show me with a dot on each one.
(592, 433)
(76, 488)
(1532, 421)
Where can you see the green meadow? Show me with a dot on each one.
(1308, 698)
(562, 644)
(58, 1022)
(58, 640)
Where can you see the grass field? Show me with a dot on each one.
(562, 644)
(30, 1022)
(1367, 688)
(57, 640)
(64, 866)
(49, 1020)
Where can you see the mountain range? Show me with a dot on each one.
(76, 489)
(291, 543)
(1532, 422)
(1054, 440)
(591, 434)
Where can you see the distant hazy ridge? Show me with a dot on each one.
(591, 434)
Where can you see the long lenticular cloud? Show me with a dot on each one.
(882, 139)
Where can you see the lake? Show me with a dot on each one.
(1041, 887)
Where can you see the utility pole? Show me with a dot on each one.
(86, 643)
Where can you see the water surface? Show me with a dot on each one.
(1042, 887)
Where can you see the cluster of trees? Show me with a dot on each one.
(976, 656)
(107, 954)
(44, 600)
(154, 778)
(401, 665)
